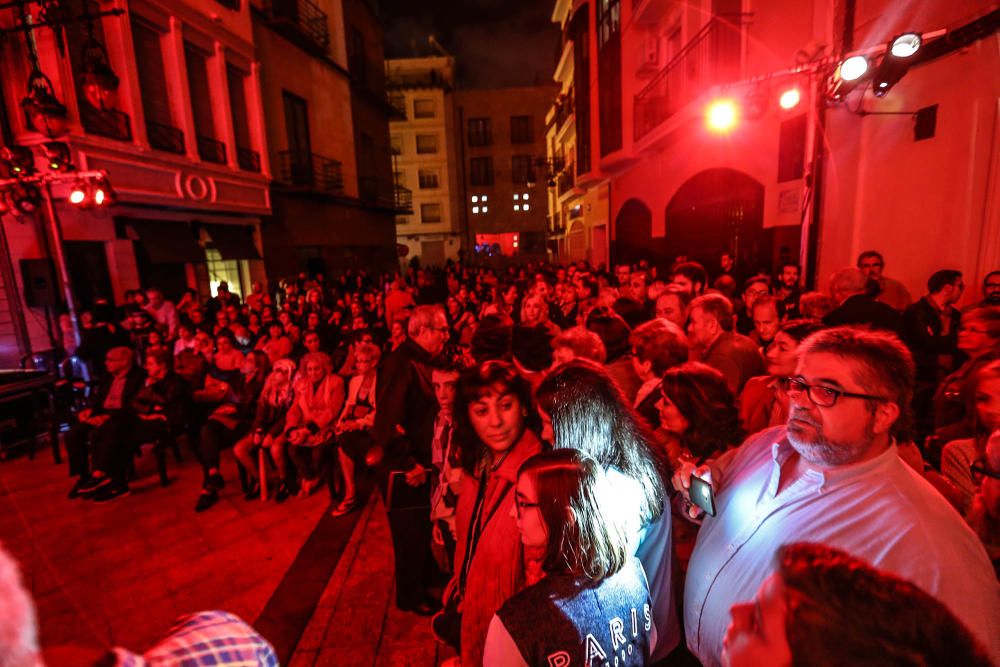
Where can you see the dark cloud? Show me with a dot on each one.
(495, 42)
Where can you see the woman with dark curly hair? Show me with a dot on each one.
(698, 413)
(495, 425)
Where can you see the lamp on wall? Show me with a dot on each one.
(45, 112)
(100, 83)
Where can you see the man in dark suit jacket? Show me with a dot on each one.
(403, 433)
(112, 397)
(856, 307)
(710, 332)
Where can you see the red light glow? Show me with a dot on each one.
(77, 196)
(722, 115)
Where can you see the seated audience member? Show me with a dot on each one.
(768, 313)
(228, 423)
(614, 333)
(204, 345)
(657, 345)
(713, 341)
(353, 429)
(886, 290)
(319, 398)
(958, 456)
(268, 430)
(824, 607)
(591, 583)
(672, 305)
(582, 408)
(535, 313)
(764, 402)
(227, 357)
(855, 306)
(577, 343)
(276, 345)
(754, 288)
(815, 305)
(292, 330)
(185, 337)
(979, 341)
(690, 278)
(834, 476)
(98, 422)
(494, 417)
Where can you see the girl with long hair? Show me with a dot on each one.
(593, 593)
(582, 408)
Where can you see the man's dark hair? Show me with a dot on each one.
(884, 366)
(799, 330)
(842, 611)
(753, 280)
(630, 310)
(612, 329)
(453, 359)
(718, 306)
(941, 279)
(161, 355)
(660, 342)
(694, 272)
(870, 253)
(784, 265)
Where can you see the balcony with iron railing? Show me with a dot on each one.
(301, 22)
(398, 80)
(307, 170)
(165, 138)
(712, 57)
(403, 200)
(211, 150)
(565, 181)
(105, 122)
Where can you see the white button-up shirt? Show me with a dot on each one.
(880, 511)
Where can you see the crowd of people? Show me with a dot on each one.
(537, 434)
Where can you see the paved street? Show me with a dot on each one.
(118, 574)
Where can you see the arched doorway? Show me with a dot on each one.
(633, 233)
(576, 242)
(717, 210)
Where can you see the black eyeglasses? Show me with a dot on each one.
(979, 470)
(521, 505)
(824, 397)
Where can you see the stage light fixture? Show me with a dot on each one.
(722, 115)
(18, 160)
(57, 156)
(26, 198)
(905, 45)
(849, 75)
(78, 195)
(790, 99)
(897, 60)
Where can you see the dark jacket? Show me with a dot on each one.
(859, 310)
(406, 400)
(736, 357)
(168, 396)
(133, 383)
(922, 329)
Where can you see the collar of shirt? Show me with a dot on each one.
(782, 450)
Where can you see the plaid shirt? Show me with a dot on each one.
(215, 638)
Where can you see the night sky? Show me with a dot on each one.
(495, 42)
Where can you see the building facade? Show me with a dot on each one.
(751, 183)
(424, 142)
(502, 153)
(327, 114)
(179, 130)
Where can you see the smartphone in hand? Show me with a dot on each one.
(702, 495)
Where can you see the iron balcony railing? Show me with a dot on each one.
(397, 80)
(211, 150)
(565, 180)
(302, 22)
(712, 57)
(247, 159)
(165, 138)
(105, 122)
(403, 200)
(308, 170)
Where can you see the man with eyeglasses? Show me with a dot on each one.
(833, 476)
(991, 289)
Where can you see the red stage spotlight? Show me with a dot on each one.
(790, 99)
(78, 195)
(722, 115)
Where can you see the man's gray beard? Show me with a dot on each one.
(828, 453)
